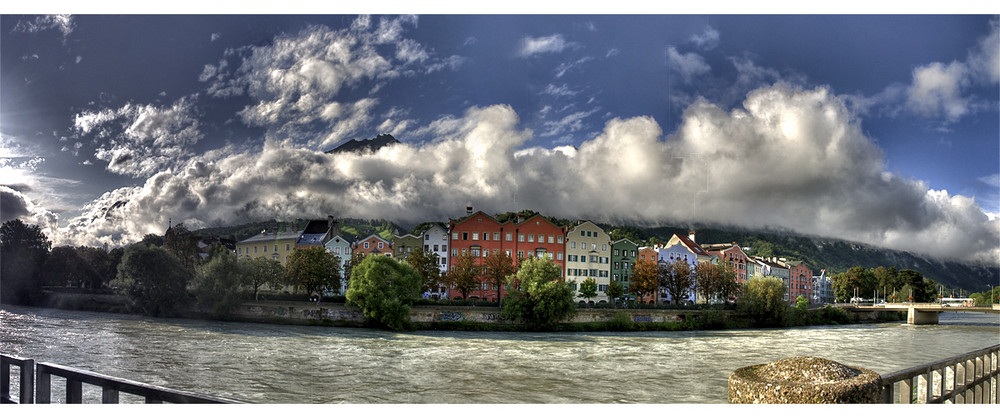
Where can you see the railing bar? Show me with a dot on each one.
(109, 395)
(43, 384)
(132, 387)
(952, 360)
(74, 391)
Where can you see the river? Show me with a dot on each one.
(264, 363)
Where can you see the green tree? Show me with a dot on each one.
(65, 267)
(426, 265)
(496, 268)
(218, 285)
(677, 278)
(856, 281)
(384, 289)
(23, 249)
(314, 269)
(100, 262)
(645, 279)
(356, 258)
(183, 244)
(588, 289)
(538, 298)
(763, 301)
(614, 291)
(987, 297)
(154, 280)
(464, 274)
(260, 272)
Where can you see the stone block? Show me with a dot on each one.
(804, 380)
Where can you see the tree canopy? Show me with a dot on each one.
(384, 289)
(763, 301)
(23, 250)
(538, 298)
(154, 280)
(314, 269)
(678, 279)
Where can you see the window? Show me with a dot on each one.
(444, 248)
(604, 247)
(336, 250)
(559, 239)
(366, 245)
(475, 252)
(496, 236)
(616, 267)
(520, 253)
(593, 246)
(288, 247)
(633, 253)
(552, 239)
(275, 247)
(486, 286)
(508, 253)
(520, 237)
(454, 235)
(510, 236)
(475, 236)
(435, 247)
(465, 236)
(602, 287)
(541, 238)
(531, 237)
(255, 249)
(454, 252)
(380, 245)
(615, 252)
(559, 256)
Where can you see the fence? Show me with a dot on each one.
(36, 385)
(967, 378)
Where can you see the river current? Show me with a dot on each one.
(264, 363)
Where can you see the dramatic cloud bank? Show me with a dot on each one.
(788, 157)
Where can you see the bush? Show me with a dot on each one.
(154, 280)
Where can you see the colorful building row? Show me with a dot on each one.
(583, 251)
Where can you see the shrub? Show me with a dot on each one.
(384, 289)
(763, 301)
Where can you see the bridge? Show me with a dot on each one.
(922, 313)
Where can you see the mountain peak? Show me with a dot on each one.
(365, 145)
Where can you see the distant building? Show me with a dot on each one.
(682, 248)
(435, 242)
(317, 233)
(732, 255)
(588, 256)
(478, 234)
(373, 245)
(340, 247)
(539, 238)
(822, 288)
(276, 245)
(404, 245)
(776, 267)
(800, 280)
(624, 252)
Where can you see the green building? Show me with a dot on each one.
(623, 255)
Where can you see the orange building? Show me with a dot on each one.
(479, 234)
(373, 244)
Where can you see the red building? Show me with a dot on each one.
(799, 280)
(480, 234)
(733, 255)
(373, 244)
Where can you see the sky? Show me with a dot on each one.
(881, 129)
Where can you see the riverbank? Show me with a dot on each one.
(480, 318)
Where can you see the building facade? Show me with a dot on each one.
(624, 253)
(478, 234)
(732, 255)
(403, 246)
(435, 242)
(373, 245)
(536, 237)
(682, 248)
(274, 245)
(588, 256)
(800, 280)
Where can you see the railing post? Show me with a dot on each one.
(27, 381)
(906, 390)
(43, 384)
(923, 387)
(109, 395)
(74, 391)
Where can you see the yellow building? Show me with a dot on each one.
(274, 245)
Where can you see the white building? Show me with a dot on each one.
(588, 256)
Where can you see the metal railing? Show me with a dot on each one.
(36, 385)
(968, 378)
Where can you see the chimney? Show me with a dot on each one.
(691, 235)
(468, 209)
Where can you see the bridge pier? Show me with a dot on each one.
(916, 316)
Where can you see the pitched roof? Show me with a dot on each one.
(692, 246)
(271, 236)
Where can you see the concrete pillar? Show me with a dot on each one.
(915, 316)
(804, 380)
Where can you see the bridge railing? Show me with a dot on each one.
(968, 378)
(110, 386)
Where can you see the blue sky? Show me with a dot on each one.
(881, 129)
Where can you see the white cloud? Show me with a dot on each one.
(146, 139)
(937, 91)
(707, 40)
(542, 45)
(64, 23)
(788, 157)
(215, 36)
(687, 65)
(298, 81)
